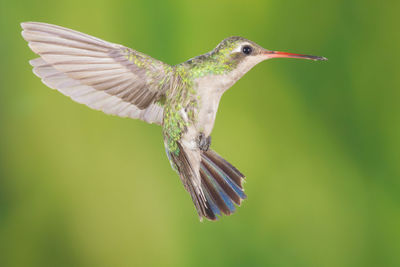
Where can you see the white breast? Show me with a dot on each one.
(209, 91)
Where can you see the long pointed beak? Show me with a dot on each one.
(277, 54)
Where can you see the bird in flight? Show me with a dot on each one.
(183, 99)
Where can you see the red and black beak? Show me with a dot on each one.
(277, 54)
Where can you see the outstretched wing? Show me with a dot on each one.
(102, 75)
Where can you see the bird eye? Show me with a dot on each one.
(247, 50)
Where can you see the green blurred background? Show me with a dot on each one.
(319, 142)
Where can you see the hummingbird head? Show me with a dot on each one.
(239, 55)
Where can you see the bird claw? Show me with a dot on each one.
(203, 142)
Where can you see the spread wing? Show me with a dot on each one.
(102, 75)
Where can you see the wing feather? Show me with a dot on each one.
(102, 75)
(93, 98)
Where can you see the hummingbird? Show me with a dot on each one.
(183, 99)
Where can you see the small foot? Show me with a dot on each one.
(203, 142)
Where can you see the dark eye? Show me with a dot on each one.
(247, 50)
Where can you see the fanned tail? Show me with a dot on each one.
(221, 184)
(212, 182)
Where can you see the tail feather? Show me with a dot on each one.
(210, 208)
(224, 165)
(221, 184)
(217, 194)
(230, 187)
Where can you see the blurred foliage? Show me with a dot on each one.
(318, 141)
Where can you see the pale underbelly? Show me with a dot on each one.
(206, 119)
(204, 124)
(207, 112)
